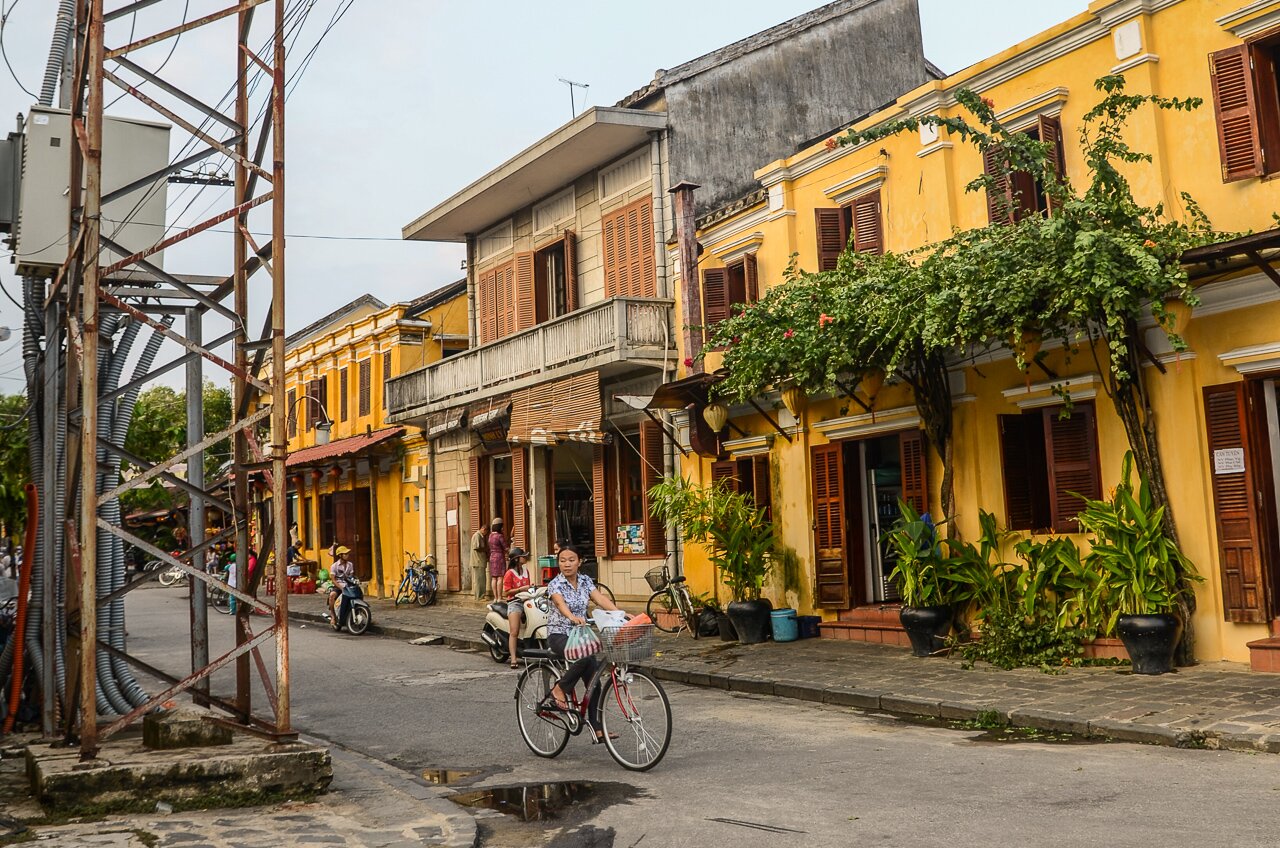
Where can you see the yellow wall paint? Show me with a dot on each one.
(923, 198)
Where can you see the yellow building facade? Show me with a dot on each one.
(353, 478)
(1216, 404)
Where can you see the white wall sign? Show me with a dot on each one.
(451, 518)
(1228, 461)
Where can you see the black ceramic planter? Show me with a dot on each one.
(926, 628)
(751, 620)
(1150, 641)
(727, 633)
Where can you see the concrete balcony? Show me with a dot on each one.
(612, 337)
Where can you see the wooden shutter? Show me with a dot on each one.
(832, 569)
(570, 271)
(475, 503)
(726, 470)
(1071, 448)
(715, 298)
(293, 413)
(343, 391)
(609, 237)
(601, 498)
(519, 498)
(366, 378)
(322, 395)
(505, 298)
(1000, 192)
(751, 271)
(524, 293)
(640, 235)
(1014, 452)
(487, 306)
(1235, 107)
(309, 404)
(651, 455)
(452, 545)
(1235, 503)
(762, 485)
(629, 265)
(915, 470)
(1051, 135)
(831, 237)
(868, 230)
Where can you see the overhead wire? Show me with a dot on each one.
(4, 19)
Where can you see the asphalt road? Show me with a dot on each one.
(748, 771)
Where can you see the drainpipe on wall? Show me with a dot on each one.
(473, 336)
(659, 216)
(374, 521)
(690, 292)
(430, 541)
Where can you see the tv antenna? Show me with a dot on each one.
(573, 106)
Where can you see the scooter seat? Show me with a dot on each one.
(500, 607)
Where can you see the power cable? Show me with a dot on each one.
(6, 294)
(4, 19)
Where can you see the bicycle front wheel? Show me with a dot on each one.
(636, 718)
(427, 590)
(684, 605)
(660, 602)
(545, 736)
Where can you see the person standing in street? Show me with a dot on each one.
(479, 561)
(497, 558)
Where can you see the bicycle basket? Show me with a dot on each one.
(627, 644)
(657, 582)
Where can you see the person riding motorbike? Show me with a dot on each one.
(341, 571)
(516, 579)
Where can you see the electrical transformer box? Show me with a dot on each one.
(135, 155)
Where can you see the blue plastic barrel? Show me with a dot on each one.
(785, 628)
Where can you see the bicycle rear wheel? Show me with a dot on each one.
(545, 736)
(684, 605)
(636, 718)
(427, 589)
(660, 601)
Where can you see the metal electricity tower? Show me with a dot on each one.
(103, 286)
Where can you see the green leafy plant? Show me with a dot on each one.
(1141, 569)
(738, 537)
(925, 574)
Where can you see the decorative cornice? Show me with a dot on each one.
(859, 184)
(934, 148)
(727, 229)
(1246, 21)
(1118, 13)
(1048, 103)
(1254, 359)
(869, 424)
(750, 446)
(1130, 64)
(735, 250)
(1050, 393)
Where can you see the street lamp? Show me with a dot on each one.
(324, 427)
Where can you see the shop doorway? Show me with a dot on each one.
(353, 528)
(571, 495)
(857, 486)
(503, 497)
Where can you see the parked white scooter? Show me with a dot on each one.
(533, 629)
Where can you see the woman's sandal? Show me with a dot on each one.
(515, 664)
(600, 736)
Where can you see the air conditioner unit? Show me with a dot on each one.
(132, 150)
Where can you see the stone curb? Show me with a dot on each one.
(905, 705)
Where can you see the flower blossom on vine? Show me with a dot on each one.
(1149, 244)
(832, 144)
(789, 333)
(688, 362)
(824, 319)
(988, 102)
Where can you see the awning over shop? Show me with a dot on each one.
(680, 393)
(489, 416)
(565, 411)
(1258, 249)
(351, 446)
(448, 421)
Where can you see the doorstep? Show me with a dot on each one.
(878, 624)
(1264, 655)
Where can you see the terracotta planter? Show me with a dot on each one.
(1105, 649)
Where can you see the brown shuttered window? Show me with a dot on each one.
(868, 232)
(1026, 476)
(832, 237)
(725, 470)
(1071, 446)
(343, 392)
(601, 481)
(715, 296)
(1235, 503)
(386, 366)
(366, 379)
(1049, 131)
(309, 391)
(828, 526)
(1000, 208)
(762, 485)
(520, 499)
(487, 306)
(475, 502)
(915, 470)
(751, 275)
(321, 393)
(293, 413)
(504, 288)
(571, 271)
(629, 268)
(1235, 103)
(651, 454)
(526, 313)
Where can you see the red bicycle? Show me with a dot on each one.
(635, 712)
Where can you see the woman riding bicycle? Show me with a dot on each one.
(570, 592)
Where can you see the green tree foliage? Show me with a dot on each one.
(15, 466)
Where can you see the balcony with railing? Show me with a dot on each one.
(610, 336)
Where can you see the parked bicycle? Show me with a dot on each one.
(634, 709)
(671, 595)
(421, 581)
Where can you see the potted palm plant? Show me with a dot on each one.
(1144, 577)
(738, 538)
(928, 579)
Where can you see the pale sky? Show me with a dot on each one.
(407, 101)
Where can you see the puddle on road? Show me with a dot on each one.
(537, 802)
(444, 777)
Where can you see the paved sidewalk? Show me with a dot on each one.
(1214, 705)
(368, 805)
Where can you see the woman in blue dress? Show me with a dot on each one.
(570, 592)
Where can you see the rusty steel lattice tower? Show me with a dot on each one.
(102, 284)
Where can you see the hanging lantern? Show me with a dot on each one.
(794, 399)
(872, 381)
(716, 415)
(1178, 315)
